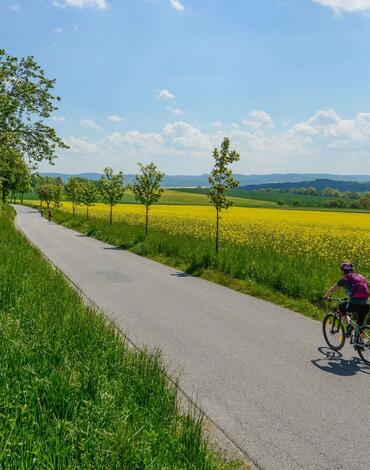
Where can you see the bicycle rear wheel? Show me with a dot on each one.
(333, 331)
(363, 341)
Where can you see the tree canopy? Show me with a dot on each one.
(147, 187)
(26, 102)
(222, 180)
(111, 188)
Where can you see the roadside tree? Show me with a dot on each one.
(112, 189)
(14, 172)
(222, 180)
(24, 183)
(58, 196)
(47, 191)
(147, 188)
(87, 195)
(73, 190)
(25, 103)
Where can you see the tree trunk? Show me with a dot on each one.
(87, 212)
(217, 229)
(21, 196)
(111, 215)
(73, 208)
(146, 219)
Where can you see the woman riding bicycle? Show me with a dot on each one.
(357, 288)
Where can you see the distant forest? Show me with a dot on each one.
(318, 184)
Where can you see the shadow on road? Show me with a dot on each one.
(180, 274)
(333, 362)
(115, 248)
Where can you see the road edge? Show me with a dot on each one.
(217, 437)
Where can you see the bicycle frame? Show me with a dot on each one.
(340, 315)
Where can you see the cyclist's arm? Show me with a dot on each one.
(332, 290)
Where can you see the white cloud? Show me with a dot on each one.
(59, 118)
(338, 131)
(217, 124)
(89, 123)
(177, 5)
(81, 146)
(165, 95)
(259, 119)
(175, 111)
(15, 7)
(135, 138)
(184, 134)
(98, 4)
(57, 30)
(342, 6)
(115, 119)
(324, 142)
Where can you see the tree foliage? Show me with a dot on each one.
(87, 195)
(222, 180)
(14, 173)
(58, 192)
(73, 192)
(147, 187)
(45, 192)
(26, 102)
(111, 189)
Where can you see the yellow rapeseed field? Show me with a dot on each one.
(327, 235)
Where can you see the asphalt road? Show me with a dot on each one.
(259, 371)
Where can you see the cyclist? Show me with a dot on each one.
(357, 288)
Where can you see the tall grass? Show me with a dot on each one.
(72, 393)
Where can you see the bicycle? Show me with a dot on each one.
(335, 337)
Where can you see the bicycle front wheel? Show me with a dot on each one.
(333, 330)
(363, 343)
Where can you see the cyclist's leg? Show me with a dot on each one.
(343, 309)
(359, 314)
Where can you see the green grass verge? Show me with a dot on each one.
(294, 282)
(72, 393)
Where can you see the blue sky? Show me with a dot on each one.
(165, 80)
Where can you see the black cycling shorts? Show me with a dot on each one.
(359, 311)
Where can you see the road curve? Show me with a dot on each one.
(260, 371)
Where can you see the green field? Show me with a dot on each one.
(186, 197)
(261, 197)
(72, 393)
